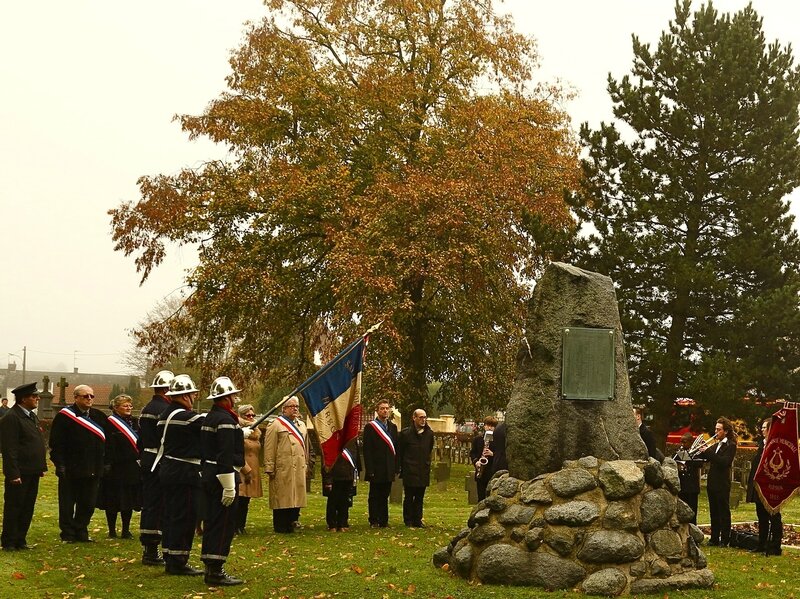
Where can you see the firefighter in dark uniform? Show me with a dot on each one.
(178, 464)
(152, 496)
(77, 448)
(222, 444)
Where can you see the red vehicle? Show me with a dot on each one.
(685, 418)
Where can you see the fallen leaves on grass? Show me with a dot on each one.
(18, 576)
(356, 569)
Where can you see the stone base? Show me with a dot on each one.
(604, 528)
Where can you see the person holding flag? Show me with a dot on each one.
(222, 450)
(286, 456)
(338, 485)
(380, 463)
(777, 478)
(770, 527)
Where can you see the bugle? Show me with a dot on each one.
(701, 444)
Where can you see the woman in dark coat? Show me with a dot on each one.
(770, 528)
(121, 487)
(720, 457)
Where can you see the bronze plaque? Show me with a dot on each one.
(587, 364)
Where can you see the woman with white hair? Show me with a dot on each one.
(121, 486)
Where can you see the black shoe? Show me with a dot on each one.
(86, 540)
(151, 556)
(126, 534)
(773, 551)
(23, 547)
(216, 576)
(419, 524)
(374, 525)
(9, 548)
(713, 543)
(112, 534)
(182, 570)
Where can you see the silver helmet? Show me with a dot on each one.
(221, 387)
(163, 378)
(181, 385)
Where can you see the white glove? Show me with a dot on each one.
(228, 482)
(247, 431)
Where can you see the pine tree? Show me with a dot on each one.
(687, 196)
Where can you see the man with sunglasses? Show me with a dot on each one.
(77, 448)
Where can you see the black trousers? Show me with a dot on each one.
(151, 522)
(180, 521)
(76, 500)
(219, 524)
(337, 510)
(241, 512)
(481, 484)
(283, 519)
(720, 511)
(770, 528)
(18, 502)
(378, 503)
(412, 505)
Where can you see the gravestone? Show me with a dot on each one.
(578, 309)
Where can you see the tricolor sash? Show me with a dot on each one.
(293, 429)
(349, 457)
(87, 423)
(384, 435)
(126, 430)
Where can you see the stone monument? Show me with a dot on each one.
(582, 506)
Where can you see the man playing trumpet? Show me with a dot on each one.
(720, 456)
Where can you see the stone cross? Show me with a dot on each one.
(62, 390)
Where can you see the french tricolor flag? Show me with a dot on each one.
(333, 398)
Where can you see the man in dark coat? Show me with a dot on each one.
(380, 463)
(770, 526)
(647, 436)
(222, 450)
(150, 525)
(718, 483)
(688, 474)
(24, 463)
(499, 460)
(414, 452)
(77, 448)
(338, 485)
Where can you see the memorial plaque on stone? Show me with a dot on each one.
(587, 364)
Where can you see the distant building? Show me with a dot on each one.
(104, 385)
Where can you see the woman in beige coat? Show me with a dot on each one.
(251, 471)
(286, 455)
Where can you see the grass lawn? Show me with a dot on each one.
(363, 562)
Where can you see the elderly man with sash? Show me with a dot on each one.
(179, 471)
(286, 456)
(77, 448)
(380, 463)
(152, 494)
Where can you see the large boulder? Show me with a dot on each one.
(543, 429)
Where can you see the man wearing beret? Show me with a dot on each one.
(77, 448)
(24, 463)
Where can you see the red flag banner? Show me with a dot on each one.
(777, 478)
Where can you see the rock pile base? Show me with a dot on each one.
(602, 527)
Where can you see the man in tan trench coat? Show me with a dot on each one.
(286, 455)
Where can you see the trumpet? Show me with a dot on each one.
(483, 460)
(700, 445)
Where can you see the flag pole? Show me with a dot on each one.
(297, 389)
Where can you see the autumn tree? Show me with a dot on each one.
(388, 161)
(687, 193)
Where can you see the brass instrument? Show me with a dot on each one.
(700, 445)
(483, 460)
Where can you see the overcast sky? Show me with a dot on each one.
(88, 92)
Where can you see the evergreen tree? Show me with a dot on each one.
(687, 196)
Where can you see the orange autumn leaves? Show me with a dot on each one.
(388, 159)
